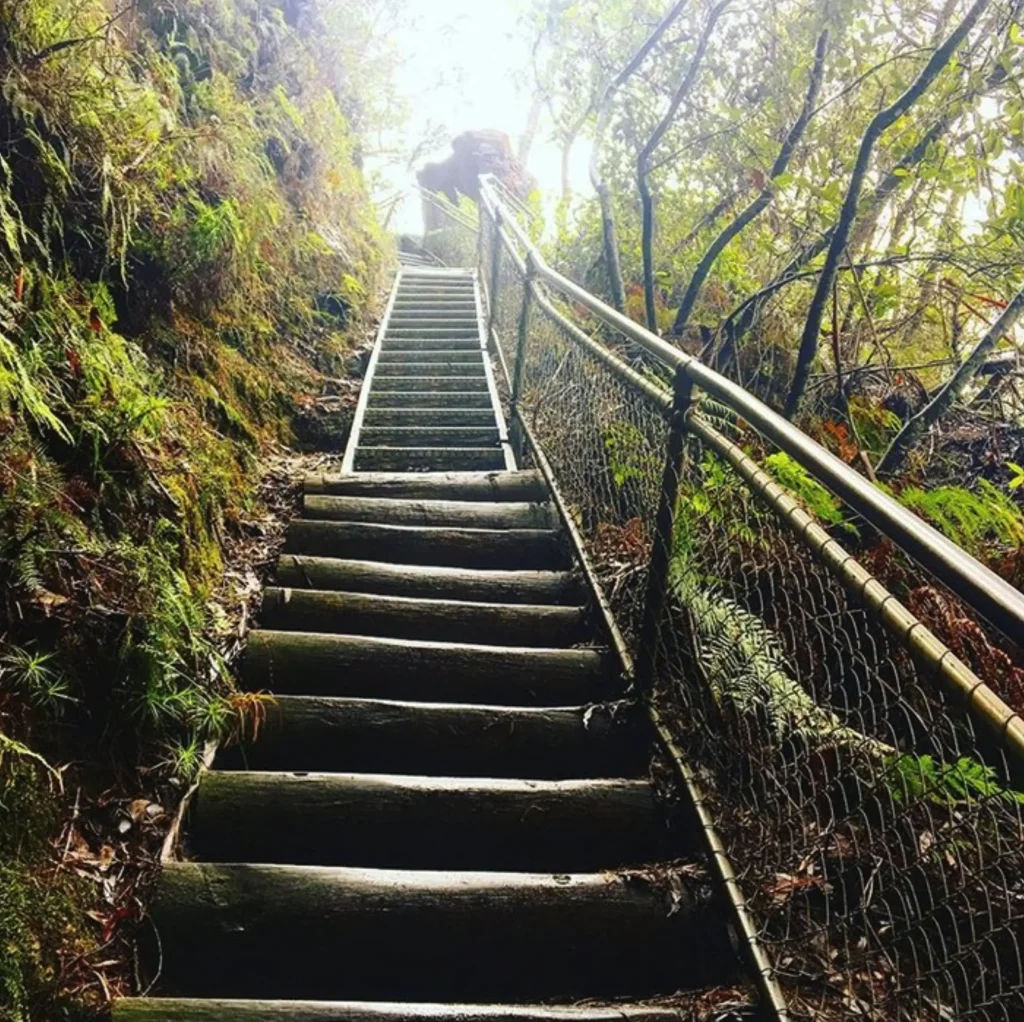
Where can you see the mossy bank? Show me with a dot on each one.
(186, 250)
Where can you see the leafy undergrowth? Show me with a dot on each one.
(187, 258)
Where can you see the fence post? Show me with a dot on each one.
(518, 437)
(481, 226)
(492, 290)
(661, 549)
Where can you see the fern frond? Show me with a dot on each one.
(745, 666)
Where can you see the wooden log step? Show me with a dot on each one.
(168, 1009)
(461, 326)
(417, 289)
(460, 298)
(407, 344)
(411, 303)
(471, 356)
(314, 931)
(427, 581)
(428, 459)
(431, 399)
(305, 663)
(453, 739)
(408, 367)
(448, 328)
(436, 279)
(428, 822)
(477, 514)
(381, 415)
(517, 549)
(426, 332)
(514, 486)
(410, 311)
(506, 624)
(429, 436)
(433, 317)
(433, 382)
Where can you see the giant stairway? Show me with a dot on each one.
(449, 814)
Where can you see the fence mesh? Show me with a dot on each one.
(876, 834)
(606, 445)
(508, 287)
(879, 848)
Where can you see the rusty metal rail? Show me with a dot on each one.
(829, 664)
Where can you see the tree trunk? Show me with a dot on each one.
(879, 123)
(643, 161)
(609, 240)
(761, 202)
(526, 139)
(872, 207)
(917, 425)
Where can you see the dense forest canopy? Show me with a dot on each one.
(824, 200)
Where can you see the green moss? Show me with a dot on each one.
(159, 279)
(42, 922)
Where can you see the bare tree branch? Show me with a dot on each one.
(644, 158)
(763, 199)
(879, 123)
(917, 425)
(604, 110)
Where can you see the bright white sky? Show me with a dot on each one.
(462, 65)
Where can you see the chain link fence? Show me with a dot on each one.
(844, 712)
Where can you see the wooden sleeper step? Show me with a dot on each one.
(429, 436)
(402, 617)
(286, 931)
(412, 345)
(492, 486)
(311, 663)
(433, 382)
(469, 356)
(395, 821)
(169, 1009)
(337, 733)
(437, 545)
(481, 514)
(427, 581)
(406, 367)
(428, 459)
(382, 415)
(431, 399)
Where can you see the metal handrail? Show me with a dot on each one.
(964, 686)
(983, 590)
(450, 210)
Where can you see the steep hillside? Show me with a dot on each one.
(186, 250)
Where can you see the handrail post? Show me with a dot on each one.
(664, 523)
(518, 438)
(492, 290)
(481, 224)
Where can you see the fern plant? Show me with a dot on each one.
(982, 522)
